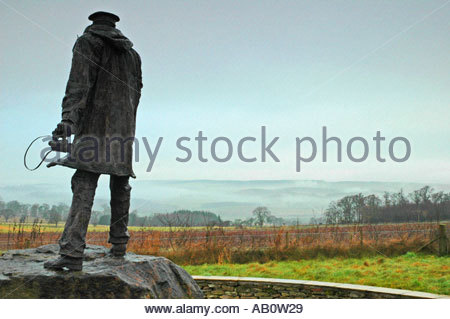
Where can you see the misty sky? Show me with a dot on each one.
(228, 68)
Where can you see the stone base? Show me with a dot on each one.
(22, 275)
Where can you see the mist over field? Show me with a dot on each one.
(230, 199)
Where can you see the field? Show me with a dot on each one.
(52, 228)
(380, 255)
(199, 245)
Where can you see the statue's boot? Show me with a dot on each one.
(72, 263)
(118, 250)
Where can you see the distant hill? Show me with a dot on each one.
(230, 199)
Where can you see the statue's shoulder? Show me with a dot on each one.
(92, 39)
(136, 55)
(88, 44)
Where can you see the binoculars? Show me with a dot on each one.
(60, 144)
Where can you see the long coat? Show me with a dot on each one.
(101, 100)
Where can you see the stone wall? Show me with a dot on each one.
(257, 288)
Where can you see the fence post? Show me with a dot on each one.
(443, 249)
(361, 236)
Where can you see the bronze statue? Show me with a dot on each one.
(99, 108)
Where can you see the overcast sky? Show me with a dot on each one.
(229, 67)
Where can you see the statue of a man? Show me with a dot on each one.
(99, 107)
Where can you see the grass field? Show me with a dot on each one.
(410, 271)
(45, 227)
(211, 245)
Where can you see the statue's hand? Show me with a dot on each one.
(64, 129)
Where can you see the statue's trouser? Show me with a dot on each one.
(72, 242)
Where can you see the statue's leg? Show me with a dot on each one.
(72, 242)
(120, 205)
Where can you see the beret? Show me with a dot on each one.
(102, 15)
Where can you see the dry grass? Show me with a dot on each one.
(194, 246)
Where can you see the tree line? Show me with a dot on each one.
(422, 205)
(55, 214)
(181, 218)
(14, 209)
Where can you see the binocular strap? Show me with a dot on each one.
(26, 152)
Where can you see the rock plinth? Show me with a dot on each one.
(22, 275)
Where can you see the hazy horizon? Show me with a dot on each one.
(229, 68)
(230, 199)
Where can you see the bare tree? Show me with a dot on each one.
(261, 215)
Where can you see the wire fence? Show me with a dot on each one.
(240, 238)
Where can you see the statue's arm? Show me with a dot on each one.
(82, 78)
(139, 85)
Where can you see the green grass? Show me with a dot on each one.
(410, 271)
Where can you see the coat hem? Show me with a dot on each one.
(92, 170)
